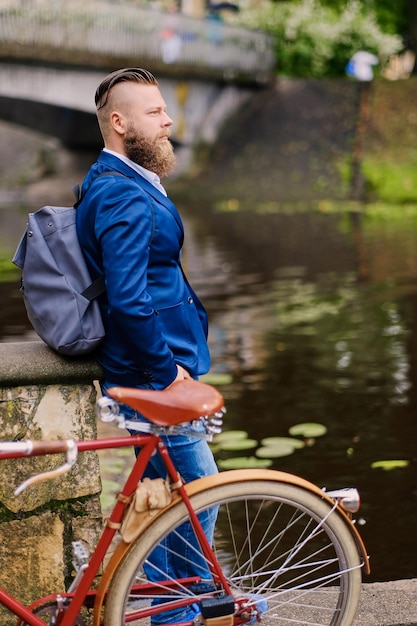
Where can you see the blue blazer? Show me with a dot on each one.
(132, 234)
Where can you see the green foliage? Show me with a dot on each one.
(313, 39)
(392, 182)
(8, 271)
(390, 16)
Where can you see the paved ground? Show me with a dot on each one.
(388, 604)
(384, 604)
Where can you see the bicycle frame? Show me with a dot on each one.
(178, 405)
(148, 444)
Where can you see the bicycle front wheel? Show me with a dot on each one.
(287, 554)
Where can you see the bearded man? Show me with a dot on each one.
(132, 234)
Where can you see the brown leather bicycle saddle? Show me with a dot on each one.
(183, 401)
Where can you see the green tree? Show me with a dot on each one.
(392, 17)
(316, 38)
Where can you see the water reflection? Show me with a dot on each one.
(314, 317)
(316, 321)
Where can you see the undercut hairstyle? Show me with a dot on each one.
(128, 74)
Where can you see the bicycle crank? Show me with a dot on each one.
(48, 613)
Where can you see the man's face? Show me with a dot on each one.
(153, 154)
(146, 138)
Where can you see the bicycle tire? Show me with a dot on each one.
(273, 540)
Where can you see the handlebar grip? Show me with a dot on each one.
(39, 448)
(28, 447)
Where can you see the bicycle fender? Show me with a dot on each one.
(105, 579)
(205, 484)
(233, 476)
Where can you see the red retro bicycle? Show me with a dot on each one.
(284, 551)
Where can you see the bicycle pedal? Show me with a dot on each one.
(80, 554)
(217, 611)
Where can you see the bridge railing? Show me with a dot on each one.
(112, 35)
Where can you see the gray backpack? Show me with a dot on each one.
(58, 292)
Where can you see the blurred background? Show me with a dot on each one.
(295, 130)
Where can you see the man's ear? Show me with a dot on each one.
(118, 122)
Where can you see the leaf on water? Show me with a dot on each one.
(268, 452)
(275, 447)
(238, 444)
(230, 435)
(279, 441)
(390, 465)
(308, 429)
(249, 462)
(216, 379)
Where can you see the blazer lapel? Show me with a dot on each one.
(117, 164)
(159, 197)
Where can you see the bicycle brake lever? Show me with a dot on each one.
(108, 410)
(71, 456)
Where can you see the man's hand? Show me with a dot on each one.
(181, 373)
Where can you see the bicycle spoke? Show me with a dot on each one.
(285, 552)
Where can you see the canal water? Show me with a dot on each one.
(313, 319)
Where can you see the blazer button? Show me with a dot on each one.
(190, 300)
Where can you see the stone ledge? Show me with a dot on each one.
(391, 603)
(33, 363)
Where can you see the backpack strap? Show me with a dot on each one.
(98, 286)
(77, 188)
(79, 196)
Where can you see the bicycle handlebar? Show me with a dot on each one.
(16, 449)
(28, 447)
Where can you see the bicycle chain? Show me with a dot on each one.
(49, 611)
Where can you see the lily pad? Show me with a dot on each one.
(231, 434)
(308, 429)
(217, 379)
(239, 443)
(390, 465)
(249, 462)
(269, 452)
(275, 447)
(279, 441)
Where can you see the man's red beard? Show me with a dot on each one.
(154, 155)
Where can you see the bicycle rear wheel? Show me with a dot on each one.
(283, 549)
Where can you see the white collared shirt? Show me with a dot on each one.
(151, 177)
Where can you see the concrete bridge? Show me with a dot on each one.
(53, 55)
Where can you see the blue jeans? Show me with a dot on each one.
(193, 459)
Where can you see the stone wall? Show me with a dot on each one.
(45, 396)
